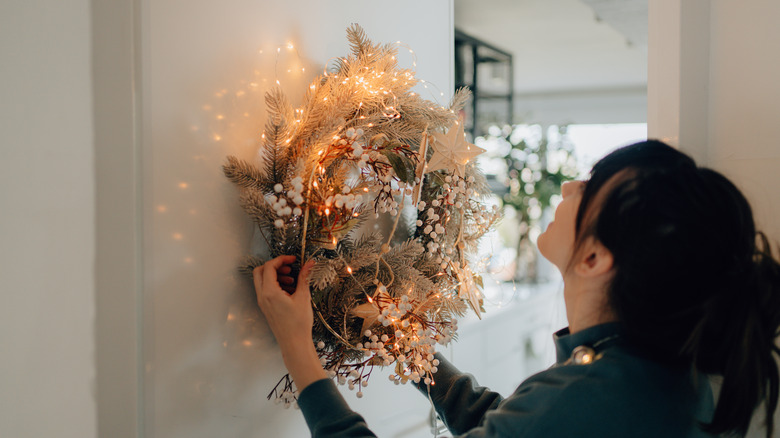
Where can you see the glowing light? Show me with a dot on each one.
(183, 185)
(327, 213)
(217, 137)
(370, 300)
(247, 343)
(289, 46)
(220, 116)
(177, 236)
(349, 269)
(188, 260)
(231, 317)
(162, 208)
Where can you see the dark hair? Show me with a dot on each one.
(693, 281)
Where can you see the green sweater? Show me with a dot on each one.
(621, 394)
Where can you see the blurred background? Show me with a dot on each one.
(556, 85)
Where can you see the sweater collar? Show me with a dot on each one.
(565, 342)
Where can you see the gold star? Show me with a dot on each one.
(370, 311)
(468, 290)
(452, 152)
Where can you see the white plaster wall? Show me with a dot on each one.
(47, 209)
(712, 90)
(744, 102)
(210, 358)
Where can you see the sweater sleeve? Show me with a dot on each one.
(458, 400)
(327, 413)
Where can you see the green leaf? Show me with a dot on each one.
(402, 166)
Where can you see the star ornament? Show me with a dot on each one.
(468, 291)
(370, 311)
(452, 152)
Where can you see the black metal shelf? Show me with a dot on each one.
(470, 53)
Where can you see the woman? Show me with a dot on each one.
(665, 280)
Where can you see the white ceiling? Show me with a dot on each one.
(564, 46)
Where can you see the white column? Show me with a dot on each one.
(116, 84)
(678, 74)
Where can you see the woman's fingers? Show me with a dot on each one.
(257, 275)
(270, 279)
(273, 278)
(302, 288)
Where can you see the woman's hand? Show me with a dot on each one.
(287, 310)
(290, 316)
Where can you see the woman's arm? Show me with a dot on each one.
(458, 400)
(290, 317)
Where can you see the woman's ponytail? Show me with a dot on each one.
(739, 344)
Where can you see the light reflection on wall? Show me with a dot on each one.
(210, 357)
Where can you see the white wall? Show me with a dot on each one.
(712, 90)
(47, 223)
(744, 102)
(208, 354)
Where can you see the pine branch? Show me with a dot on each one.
(274, 160)
(255, 206)
(323, 273)
(279, 108)
(358, 40)
(249, 264)
(243, 174)
(459, 99)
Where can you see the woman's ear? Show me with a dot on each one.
(594, 259)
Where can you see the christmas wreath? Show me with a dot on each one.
(376, 184)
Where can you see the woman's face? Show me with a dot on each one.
(557, 242)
